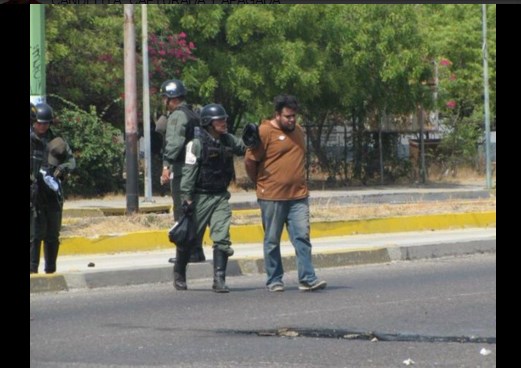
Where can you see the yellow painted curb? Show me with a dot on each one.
(138, 241)
(403, 224)
(151, 240)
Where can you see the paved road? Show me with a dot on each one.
(441, 300)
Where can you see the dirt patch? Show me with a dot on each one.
(96, 226)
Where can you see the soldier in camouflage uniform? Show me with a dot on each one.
(51, 159)
(178, 132)
(207, 173)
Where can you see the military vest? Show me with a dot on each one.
(216, 170)
(39, 153)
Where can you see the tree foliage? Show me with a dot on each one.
(348, 64)
(97, 147)
(454, 36)
(85, 56)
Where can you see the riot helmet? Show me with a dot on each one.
(250, 136)
(44, 113)
(172, 88)
(57, 151)
(211, 112)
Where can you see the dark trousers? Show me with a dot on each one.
(45, 226)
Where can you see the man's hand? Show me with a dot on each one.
(59, 172)
(188, 207)
(165, 176)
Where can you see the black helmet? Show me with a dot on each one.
(172, 88)
(250, 135)
(57, 151)
(211, 112)
(32, 109)
(44, 113)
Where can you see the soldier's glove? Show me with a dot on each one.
(59, 172)
(188, 208)
(250, 136)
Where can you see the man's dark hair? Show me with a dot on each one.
(285, 100)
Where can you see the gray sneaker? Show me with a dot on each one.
(318, 284)
(277, 287)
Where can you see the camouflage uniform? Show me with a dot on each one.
(207, 173)
(180, 126)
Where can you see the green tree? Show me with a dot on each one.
(84, 56)
(348, 64)
(385, 57)
(453, 34)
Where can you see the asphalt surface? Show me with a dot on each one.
(438, 313)
(141, 258)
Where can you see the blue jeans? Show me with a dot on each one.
(295, 215)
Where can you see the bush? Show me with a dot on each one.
(98, 149)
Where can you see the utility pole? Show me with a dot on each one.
(423, 170)
(146, 107)
(130, 110)
(487, 109)
(37, 53)
(381, 118)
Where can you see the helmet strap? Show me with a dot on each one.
(212, 130)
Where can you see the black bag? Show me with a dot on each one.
(182, 234)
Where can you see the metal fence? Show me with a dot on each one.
(345, 162)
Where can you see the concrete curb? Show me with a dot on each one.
(48, 283)
(151, 240)
(113, 211)
(249, 266)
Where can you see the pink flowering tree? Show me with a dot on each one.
(459, 144)
(168, 54)
(447, 81)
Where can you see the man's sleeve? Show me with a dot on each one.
(190, 169)
(70, 162)
(239, 148)
(175, 136)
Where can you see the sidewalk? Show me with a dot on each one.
(248, 199)
(106, 270)
(140, 258)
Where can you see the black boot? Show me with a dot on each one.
(197, 255)
(35, 256)
(220, 261)
(180, 281)
(182, 256)
(50, 253)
